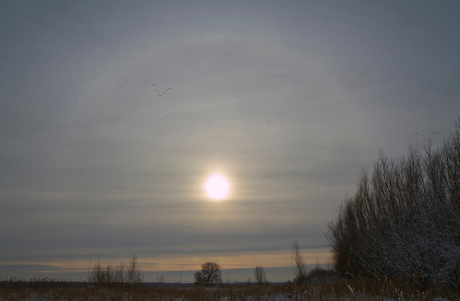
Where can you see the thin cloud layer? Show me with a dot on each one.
(113, 115)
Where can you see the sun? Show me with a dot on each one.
(217, 187)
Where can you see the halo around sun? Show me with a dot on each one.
(217, 187)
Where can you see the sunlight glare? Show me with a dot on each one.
(217, 187)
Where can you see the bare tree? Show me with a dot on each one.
(133, 273)
(116, 275)
(298, 264)
(404, 220)
(119, 273)
(96, 276)
(210, 274)
(260, 275)
(109, 274)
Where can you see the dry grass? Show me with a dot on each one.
(338, 289)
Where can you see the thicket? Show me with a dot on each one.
(404, 220)
(120, 274)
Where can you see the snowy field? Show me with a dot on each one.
(339, 290)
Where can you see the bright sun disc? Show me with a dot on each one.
(217, 187)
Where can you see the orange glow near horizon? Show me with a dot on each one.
(232, 261)
(178, 262)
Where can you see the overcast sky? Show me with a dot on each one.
(114, 113)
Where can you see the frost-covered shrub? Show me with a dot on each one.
(404, 220)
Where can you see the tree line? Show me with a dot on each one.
(404, 220)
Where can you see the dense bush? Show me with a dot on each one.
(404, 220)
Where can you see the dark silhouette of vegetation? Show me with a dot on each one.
(210, 274)
(321, 275)
(259, 275)
(339, 289)
(116, 275)
(404, 220)
(298, 264)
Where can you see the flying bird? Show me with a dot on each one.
(269, 121)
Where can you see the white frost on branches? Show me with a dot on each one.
(404, 220)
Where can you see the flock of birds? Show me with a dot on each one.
(159, 93)
(423, 134)
(275, 121)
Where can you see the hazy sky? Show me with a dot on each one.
(114, 113)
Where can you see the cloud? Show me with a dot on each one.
(127, 164)
(289, 102)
